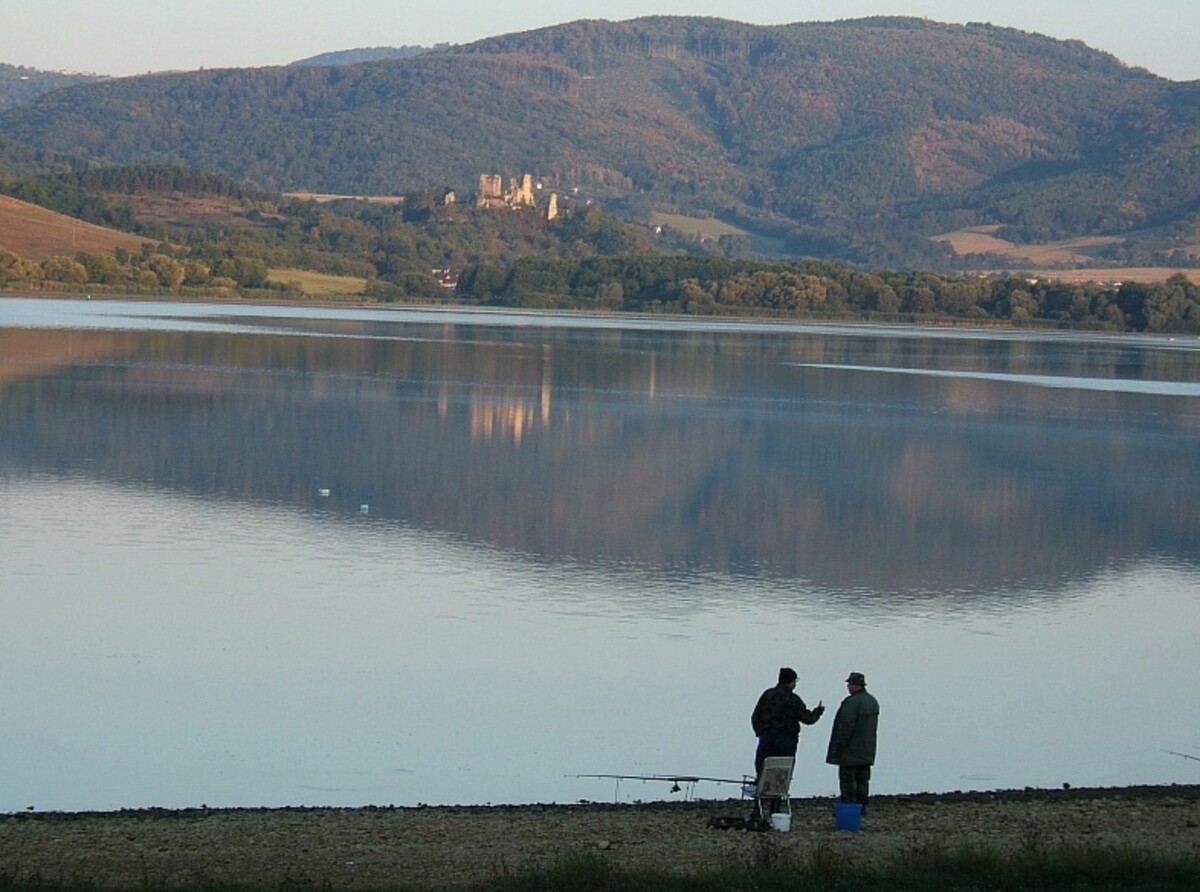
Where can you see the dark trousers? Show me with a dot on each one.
(855, 781)
(771, 743)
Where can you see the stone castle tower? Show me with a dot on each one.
(519, 193)
(491, 191)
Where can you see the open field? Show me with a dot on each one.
(1037, 261)
(322, 197)
(982, 240)
(319, 284)
(702, 227)
(439, 847)
(711, 229)
(975, 240)
(1148, 275)
(35, 233)
(193, 210)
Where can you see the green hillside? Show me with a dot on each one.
(854, 140)
(20, 83)
(362, 54)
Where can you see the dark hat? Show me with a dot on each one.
(857, 678)
(786, 675)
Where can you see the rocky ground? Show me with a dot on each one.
(379, 847)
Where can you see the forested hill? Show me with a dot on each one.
(855, 139)
(362, 54)
(20, 83)
(18, 159)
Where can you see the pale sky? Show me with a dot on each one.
(121, 37)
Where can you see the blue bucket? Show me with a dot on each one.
(848, 815)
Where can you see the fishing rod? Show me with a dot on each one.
(1182, 755)
(677, 781)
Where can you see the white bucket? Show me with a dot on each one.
(782, 821)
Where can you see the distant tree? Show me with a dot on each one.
(483, 280)
(1132, 298)
(247, 272)
(8, 266)
(610, 295)
(695, 299)
(102, 269)
(1019, 305)
(419, 284)
(170, 272)
(65, 270)
(1173, 306)
(196, 272)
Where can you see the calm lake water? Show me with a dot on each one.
(259, 556)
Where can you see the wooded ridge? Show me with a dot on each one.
(855, 140)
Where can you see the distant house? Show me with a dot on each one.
(447, 278)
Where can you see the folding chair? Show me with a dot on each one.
(772, 793)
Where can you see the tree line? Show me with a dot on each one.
(648, 283)
(586, 259)
(820, 289)
(155, 269)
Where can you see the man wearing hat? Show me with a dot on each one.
(852, 741)
(777, 717)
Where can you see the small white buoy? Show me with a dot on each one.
(322, 492)
(364, 508)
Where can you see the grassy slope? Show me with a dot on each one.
(1041, 260)
(319, 284)
(36, 233)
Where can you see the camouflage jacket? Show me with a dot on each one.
(780, 711)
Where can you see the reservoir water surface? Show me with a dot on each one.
(266, 556)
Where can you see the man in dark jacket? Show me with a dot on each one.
(852, 741)
(776, 719)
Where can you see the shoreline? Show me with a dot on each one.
(1147, 791)
(943, 326)
(445, 846)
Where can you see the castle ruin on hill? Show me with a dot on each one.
(519, 194)
(492, 193)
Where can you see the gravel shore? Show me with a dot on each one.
(444, 846)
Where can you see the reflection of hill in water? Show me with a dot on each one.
(671, 454)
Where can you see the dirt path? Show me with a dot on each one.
(374, 847)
